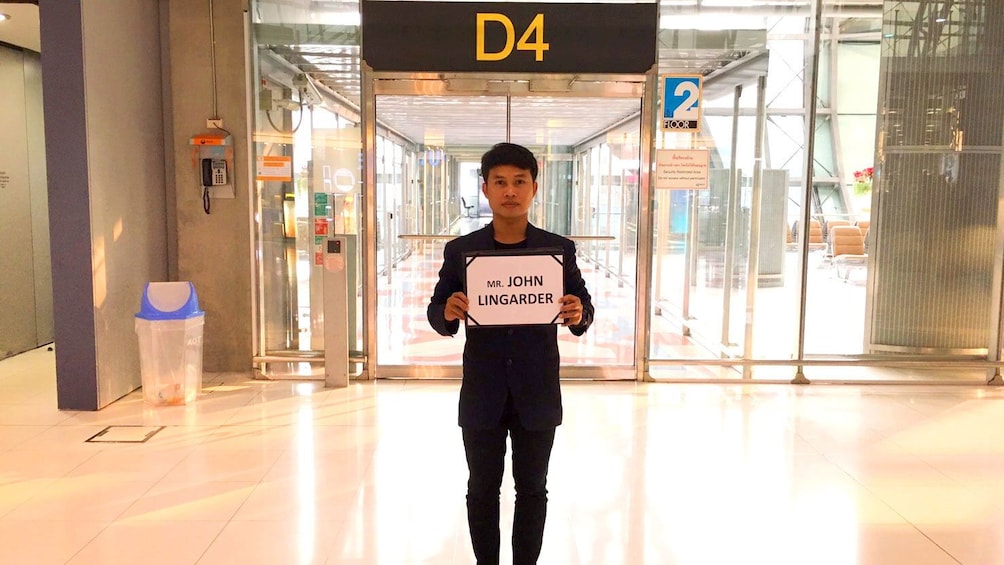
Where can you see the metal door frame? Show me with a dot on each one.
(479, 84)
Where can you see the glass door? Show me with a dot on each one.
(721, 253)
(430, 138)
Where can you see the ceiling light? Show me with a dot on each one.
(4, 17)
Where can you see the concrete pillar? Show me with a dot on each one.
(104, 131)
(213, 250)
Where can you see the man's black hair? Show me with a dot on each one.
(508, 154)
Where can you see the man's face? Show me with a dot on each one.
(510, 191)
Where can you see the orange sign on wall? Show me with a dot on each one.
(275, 168)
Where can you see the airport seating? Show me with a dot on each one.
(468, 208)
(816, 235)
(863, 226)
(816, 240)
(847, 249)
(830, 224)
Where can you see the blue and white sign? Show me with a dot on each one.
(681, 103)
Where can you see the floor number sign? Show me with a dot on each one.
(681, 103)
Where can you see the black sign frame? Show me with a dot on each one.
(555, 253)
(416, 36)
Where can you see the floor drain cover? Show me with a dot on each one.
(125, 434)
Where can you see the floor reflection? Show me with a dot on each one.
(652, 473)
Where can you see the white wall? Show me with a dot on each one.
(105, 166)
(25, 279)
(42, 260)
(125, 137)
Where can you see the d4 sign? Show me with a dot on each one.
(532, 38)
(509, 37)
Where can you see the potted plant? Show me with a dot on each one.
(863, 181)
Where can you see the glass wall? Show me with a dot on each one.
(608, 189)
(314, 192)
(446, 181)
(869, 212)
(936, 252)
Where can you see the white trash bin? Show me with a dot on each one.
(169, 326)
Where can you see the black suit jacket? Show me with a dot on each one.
(521, 360)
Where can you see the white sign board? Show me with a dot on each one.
(682, 169)
(514, 287)
(681, 103)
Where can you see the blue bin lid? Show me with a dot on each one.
(169, 301)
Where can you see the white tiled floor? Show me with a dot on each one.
(289, 473)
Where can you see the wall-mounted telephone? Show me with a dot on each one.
(214, 152)
(214, 172)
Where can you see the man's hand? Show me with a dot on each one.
(571, 310)
(456, 307)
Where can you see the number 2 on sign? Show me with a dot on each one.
(534, 31)
(687, 110)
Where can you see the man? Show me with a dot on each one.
(510, 385)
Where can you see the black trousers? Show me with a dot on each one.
(531, 453)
